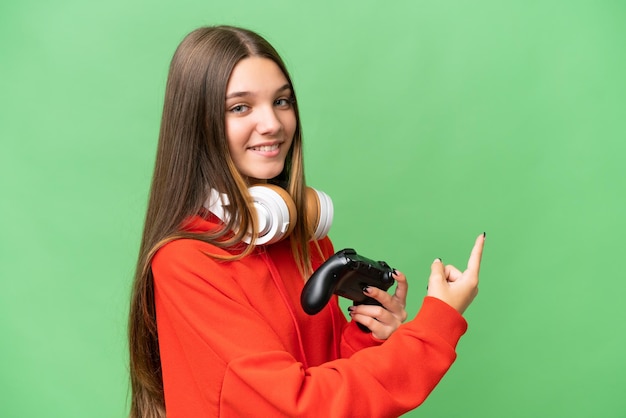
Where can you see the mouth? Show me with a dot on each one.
(265, 148)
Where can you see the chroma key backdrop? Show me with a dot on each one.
(427, 122)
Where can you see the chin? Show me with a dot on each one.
(263, 176)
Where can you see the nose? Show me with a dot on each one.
(268, 122)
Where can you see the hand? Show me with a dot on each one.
(383, 320)
(453, 287)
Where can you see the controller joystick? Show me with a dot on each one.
(345, 274)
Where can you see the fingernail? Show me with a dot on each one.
(350, 308)
(366, 289)
(484, 235)
(394, 271)
(438, 259)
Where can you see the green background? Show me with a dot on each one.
(427, 122)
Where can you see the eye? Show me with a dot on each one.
(284, 102)
(240, 108)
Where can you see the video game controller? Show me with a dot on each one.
(345, 274)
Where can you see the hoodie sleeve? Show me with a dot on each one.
(221, 358)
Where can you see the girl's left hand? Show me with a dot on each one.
(383, 320)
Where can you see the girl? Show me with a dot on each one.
(216, 328)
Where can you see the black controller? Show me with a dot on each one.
(345, 274)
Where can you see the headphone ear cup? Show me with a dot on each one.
(320, 213)
(275, 211)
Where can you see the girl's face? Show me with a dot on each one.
(260, 118)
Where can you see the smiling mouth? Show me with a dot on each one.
(266, 148)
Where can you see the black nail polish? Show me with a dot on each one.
(484, 235)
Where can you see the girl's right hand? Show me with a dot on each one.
(458, 289)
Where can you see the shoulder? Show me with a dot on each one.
(187, 254)
(320, 251)
(327, 247)
(187, 247)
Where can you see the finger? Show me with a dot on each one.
(381, 327)
(368, 321)
(389, 304)
(477, 253)
(437, 273)
(402, 286)
(380, 295)
(452, 273)
(381, 316)
(393, 310)
(374, 311)
(377, 330)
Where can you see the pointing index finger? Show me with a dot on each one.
(477, 253)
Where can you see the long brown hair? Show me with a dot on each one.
(192, 156)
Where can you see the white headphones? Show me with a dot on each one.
(276, 212)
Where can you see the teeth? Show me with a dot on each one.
(266, 148)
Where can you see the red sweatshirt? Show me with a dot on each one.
(235, 342)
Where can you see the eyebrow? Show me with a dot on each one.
(247, 93)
